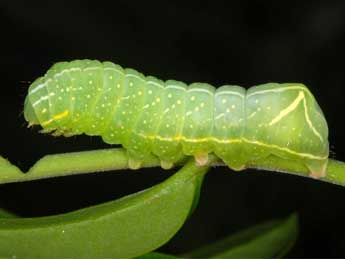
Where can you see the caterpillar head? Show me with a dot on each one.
(29, 113)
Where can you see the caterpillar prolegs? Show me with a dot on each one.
(171, 119)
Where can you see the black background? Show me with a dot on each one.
(230, 42)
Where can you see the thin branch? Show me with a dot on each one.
(117, 159)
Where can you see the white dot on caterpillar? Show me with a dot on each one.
(178, 102)
(233, 106)
(173, 106)
(192, 98)
(169, 95)
(196, 109)
(93, 126)
(72, 98)
(191, 126)
(118, 85)
(60, 98)
(88, 96)
(158, 100)
(144, 121)
(140, 93)
(90, 82)
(130, 83)
(228, 110)
(62, 90)
(167, 125)
(258, 109)
(150, 91)
(110, 77)
(202, 104)
(44, 110)
(124, 112)
(102, 105)
(224, 100)
(268, 107)
(52, 94)
(256, 100)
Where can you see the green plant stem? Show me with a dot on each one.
(117, 159)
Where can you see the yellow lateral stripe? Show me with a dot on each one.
(307, 155)
(288, 109)
(226, 141)
(55, 117)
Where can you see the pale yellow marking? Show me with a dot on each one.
(280, 89)
(309, 121)
(251, 115)
(135, 76)
(220, 116)
(55, 117)
(226, 141)
(40, 100)
(292, 107)
(288, 109)
(176, 87)
(228, 93)
(201, 90)
(155, 83)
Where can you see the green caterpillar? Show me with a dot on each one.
(172, 120)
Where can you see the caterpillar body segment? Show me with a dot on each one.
(172, 120)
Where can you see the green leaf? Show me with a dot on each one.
(268, 240)
(155, 255)
(6, 214)
(124, 228)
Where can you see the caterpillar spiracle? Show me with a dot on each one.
(171, 119)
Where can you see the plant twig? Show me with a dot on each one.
(117, 159)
